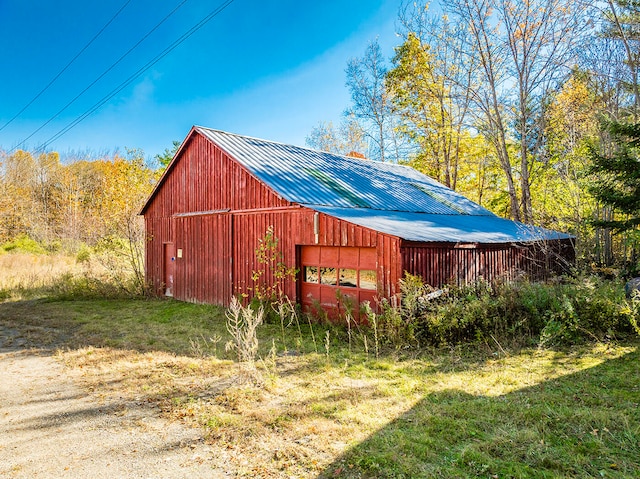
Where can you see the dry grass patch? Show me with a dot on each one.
(297, 423)
(21, 273)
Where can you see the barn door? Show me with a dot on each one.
(169, 268)
(334, 278)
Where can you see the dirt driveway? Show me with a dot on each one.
(51, 428)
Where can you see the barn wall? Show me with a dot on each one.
(440, 264)
(203, 179)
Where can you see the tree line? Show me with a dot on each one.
(518, 104)
(78, 202)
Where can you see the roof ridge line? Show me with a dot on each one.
(311, 205)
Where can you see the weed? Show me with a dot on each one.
(313, 336)
(242, 325)
(634, 311)
(327, 344)
(372, 320)
(201, 346)
(269, 278)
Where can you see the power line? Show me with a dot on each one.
(66, 66)
(133, 77)
(102, 74)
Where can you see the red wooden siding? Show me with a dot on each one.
(206, 179)
(203, 273)
(440, 264)
(248, 229)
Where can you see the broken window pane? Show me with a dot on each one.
(311, 274)
(368, 279)
(348, 278)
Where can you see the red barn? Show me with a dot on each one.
(345, 223)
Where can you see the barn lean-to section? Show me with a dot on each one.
(346, 224)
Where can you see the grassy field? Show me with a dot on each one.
(324, 409)
(321, 402)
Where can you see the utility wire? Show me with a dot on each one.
(102, 75)
(133, 77)
(66, 66)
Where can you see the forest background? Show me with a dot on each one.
(528, 108)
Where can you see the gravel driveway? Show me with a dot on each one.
(51, 428)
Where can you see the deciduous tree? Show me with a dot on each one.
(371, 104)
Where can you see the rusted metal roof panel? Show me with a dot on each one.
(311, 177)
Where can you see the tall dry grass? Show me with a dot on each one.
(28, 276)
(27, 271)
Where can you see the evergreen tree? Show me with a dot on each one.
(617, 176)
(165, 157)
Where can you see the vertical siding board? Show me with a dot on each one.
(440, 264)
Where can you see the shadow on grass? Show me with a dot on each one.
(585, 424)
(138, 325)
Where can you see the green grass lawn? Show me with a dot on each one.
(324, 409)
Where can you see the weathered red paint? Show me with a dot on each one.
(215, 212)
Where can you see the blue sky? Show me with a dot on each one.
(269, 69)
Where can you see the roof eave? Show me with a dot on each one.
(167, 170)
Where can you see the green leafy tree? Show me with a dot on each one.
(423, 103)
(560, 196)
(429, 86)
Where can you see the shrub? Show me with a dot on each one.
(84, 254)
(25, 244)
(574, 311)
(634, 312)
(71, 286)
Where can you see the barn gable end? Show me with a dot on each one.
(207, 215)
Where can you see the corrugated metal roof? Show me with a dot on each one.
(307, 177)
(427, 227)
(385, 197)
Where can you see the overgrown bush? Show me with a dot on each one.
(558, 313)
(71, 286)
(24, 244)
(634, 311)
